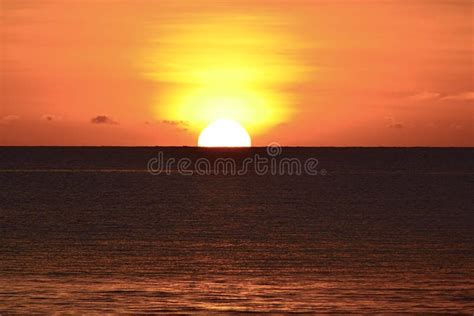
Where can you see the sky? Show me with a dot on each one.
(299, 73)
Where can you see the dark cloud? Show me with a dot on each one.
(179, 125)
(393, 123)
(49, 117)
(102, 119)
(396, 125)
(175, 123)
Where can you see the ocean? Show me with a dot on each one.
(95, 230)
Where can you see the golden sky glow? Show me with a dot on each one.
(223, 67)
(331, 73)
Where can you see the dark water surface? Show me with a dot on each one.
(89, 230)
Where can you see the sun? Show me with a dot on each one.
(224, 133)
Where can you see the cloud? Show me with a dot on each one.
(103, 119)
(175, 123)
(464, 96)
(422, 96)
(50, 117)
(394, 124)
(456, 126)
(9, 119)
(425, 96)
(180, 125)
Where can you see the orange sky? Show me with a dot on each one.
(300, 72)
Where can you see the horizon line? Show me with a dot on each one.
(231, 148)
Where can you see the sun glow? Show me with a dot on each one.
(204, 105)
(224, 133)
(223, 68)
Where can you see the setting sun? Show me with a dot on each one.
(224, 133)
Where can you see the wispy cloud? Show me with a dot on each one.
(457, 126)
(9, 119)
(426, 95)
(464, 96)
